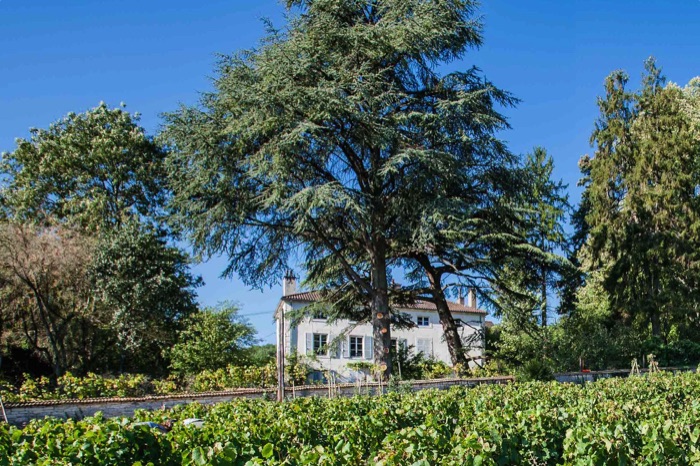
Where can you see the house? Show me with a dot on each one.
(336, 346)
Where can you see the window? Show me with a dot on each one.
(320, 343)
(425, 346)
(318, 315)
(356, 347)
(423, 321)
(396, 344)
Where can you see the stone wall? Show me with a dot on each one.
(21, 413)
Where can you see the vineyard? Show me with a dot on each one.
(652, 419)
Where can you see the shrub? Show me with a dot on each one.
(535, 370)
(213, 339)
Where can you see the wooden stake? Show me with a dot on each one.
(280, 356)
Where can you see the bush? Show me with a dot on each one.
(676, 353)
(416, 366)
(213, 339)
(535, 370)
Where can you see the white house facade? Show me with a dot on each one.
(335, 346)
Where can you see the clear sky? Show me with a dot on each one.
(61, 56)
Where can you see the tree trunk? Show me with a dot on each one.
(449, 327)
(655, 316)
(381, 317)
(656, 323)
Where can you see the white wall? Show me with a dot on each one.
(339, 333)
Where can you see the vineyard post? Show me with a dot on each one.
(4, 414)
(280, 356)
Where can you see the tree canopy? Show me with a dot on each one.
(94, 169)
(643, 198)
(313, 143)
(212, 339)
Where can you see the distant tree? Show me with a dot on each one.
(47, 302)
(148, 288)
(212, 339)
(93, 169)
(308, 144)
(546, 208)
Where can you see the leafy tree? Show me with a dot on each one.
(46, 295)
(310, 144)
(643, 203)
(94, 169)
(149, 290)
(212, 339)
(99, 172)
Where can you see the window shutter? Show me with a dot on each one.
(293, 339)
(369, 348)
(425, 346)
(337, 344)
(309, 343)
(346, 347)
(403, 343)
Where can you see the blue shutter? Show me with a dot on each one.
(337, 344)
(346, 347)
(369, 347)
(309, 343)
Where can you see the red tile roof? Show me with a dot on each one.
(313, 296)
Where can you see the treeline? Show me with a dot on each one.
(339, 147)
(635, 242)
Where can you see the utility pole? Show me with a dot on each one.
(280, 355)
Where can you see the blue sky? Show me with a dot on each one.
(61, 56)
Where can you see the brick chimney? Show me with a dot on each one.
(471, 298)
(289, 283)
(460, 300)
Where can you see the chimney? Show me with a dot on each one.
(471, 298)
(460, 300)
(289, 284)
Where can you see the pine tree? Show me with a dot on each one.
(643, 202)
(546, 207)
(308, 144)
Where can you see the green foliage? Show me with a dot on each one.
(643, 210)
(234, 377)
(212, 339)
(679, 353)
(261, 355)
(69, 386)
(535, 370)
(411, 365)
(114, 299)
(640, 420)
(148, 287)
(94, 169)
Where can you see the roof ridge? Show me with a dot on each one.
(314, 295)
